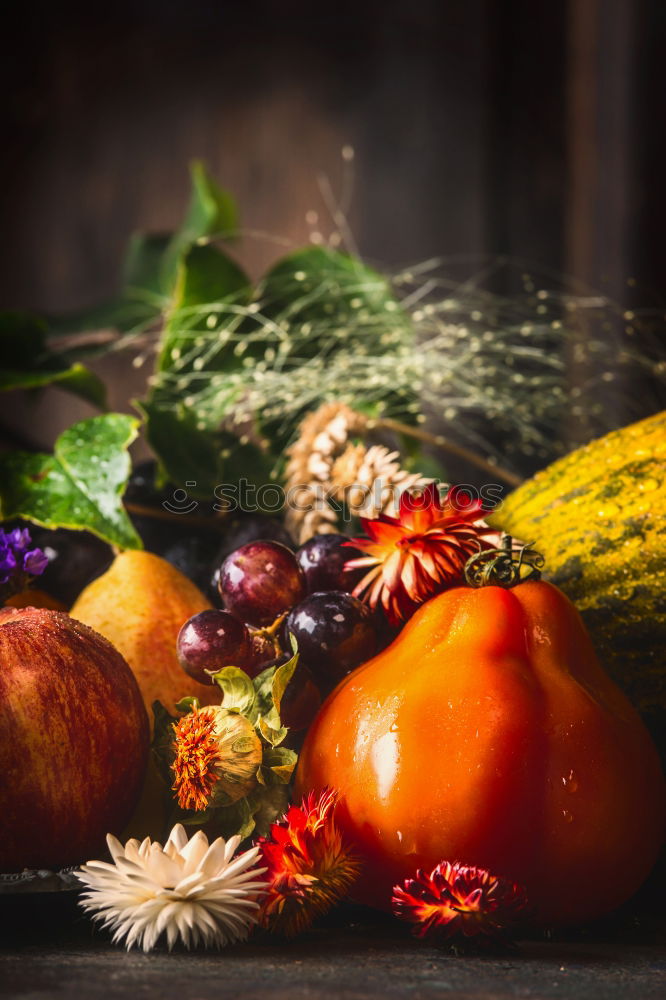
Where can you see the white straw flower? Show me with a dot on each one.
(185, 889)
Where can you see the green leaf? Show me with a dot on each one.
(273, 734)
(278, 765)
(189, 447)
(263, 687)
(29, 364)
(244, 744)
(319, 283)
(339, 300)
(77, 379)
(284, 773)
(271, 805)
(238, 689)
(205, 275)
(279, 757)
(269, 722)
(142, 269)
(162, 742)
(139, 304)
(242, 816)
(80, 486)
(153, 264)
(187, 455)
(187, 704)
(270, 686)
(246, 460)
(212, 213)
(283, 675)
(128, 313)
(223, 821)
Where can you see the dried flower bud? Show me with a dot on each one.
(217, 754)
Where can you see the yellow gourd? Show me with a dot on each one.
(598, 516)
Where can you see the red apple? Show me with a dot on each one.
(74, 740)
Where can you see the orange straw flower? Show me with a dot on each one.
(421, 552)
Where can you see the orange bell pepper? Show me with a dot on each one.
(487, 733)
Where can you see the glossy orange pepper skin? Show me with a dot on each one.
(488, 733)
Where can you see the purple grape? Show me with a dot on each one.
(241, 530)
(260, 581)
(334, 632)
(212, 640)
(323, 559)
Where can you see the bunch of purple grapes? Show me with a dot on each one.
(271, 593)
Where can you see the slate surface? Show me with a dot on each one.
(49, 950)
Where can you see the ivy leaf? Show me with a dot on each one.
(80, 486)
(29, 364)
(212, 213)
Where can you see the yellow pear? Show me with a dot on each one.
(139, 605)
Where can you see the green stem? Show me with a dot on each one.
(504, 566)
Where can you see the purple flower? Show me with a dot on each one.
(35, 562)
(18, 562)
(19, 539)
(7, 560)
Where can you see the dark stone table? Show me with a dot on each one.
(50, 950)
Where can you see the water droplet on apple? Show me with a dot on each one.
(570, 781)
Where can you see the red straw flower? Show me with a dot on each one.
(419, 553)
(458, 901)
(309, 866)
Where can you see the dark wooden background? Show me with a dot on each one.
(480, 126)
